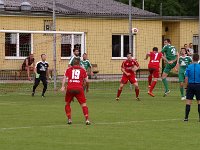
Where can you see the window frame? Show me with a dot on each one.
(122, 47)
(83, 46)
(18, 49)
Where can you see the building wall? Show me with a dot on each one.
(188, 28)
(98, 40)
(180, 32)
(171, 30)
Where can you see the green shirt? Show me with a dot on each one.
(86, 64)
(170, 52)
(71, 61)
(184, 62)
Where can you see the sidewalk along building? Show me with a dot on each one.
(99, 28)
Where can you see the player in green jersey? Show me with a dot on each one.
(85, 63)
(76, 55)
(182, 64)
(170, 56)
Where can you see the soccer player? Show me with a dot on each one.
(88, 67)
(183, 62)
(75, 76)
(128, 67)
(192, 80)
(41, 73)
(153, 66)
(76, 55)
(26, 66)
(170, 56)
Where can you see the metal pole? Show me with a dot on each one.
(160, 9)
(199, 31)
(130, 28)
(54, 44)
(143, 4)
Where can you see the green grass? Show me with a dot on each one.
(28, 123)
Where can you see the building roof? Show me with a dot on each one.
(108, 8)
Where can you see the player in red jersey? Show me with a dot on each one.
(129, 66)
(153, 66)
(75, 75)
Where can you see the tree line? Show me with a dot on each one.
(169, 7)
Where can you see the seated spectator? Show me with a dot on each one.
(28, 65)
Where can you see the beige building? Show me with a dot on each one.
(99, 28)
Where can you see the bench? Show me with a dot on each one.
(95, 70)
(141, 72)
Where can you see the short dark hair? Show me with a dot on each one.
(185, 44)
(76, 61)
(42, 55)
(195, 57)
(75, 49)
(168, 40)
(183, 48)
(129, 54)
(155, 49)
(84, 53)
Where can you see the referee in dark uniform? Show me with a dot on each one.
(41, 73)
(192, 80)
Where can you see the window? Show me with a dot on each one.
(17, 45)
(195, 43)
(10, 44)
(66, 45)
(71, 41)
(120, 46)
(48, 25)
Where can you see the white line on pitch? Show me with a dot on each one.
(99, 123)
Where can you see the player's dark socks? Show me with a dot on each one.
(187, 111)
(199, 111)
(182, 91)
(119, 93)
(33, 94)
(85, 112)
(137, 92)
(34, 87)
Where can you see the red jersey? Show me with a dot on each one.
(75, 76)
(154, 60)
(129, 64)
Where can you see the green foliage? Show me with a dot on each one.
(169, 7)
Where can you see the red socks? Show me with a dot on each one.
(152, 86)
(137, 92)
(149, 79)
(85, 112)
(68, 111)
(119, 93)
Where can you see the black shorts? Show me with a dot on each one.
(193, 89)
(23, 68)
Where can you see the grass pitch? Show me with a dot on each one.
(33, 123)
